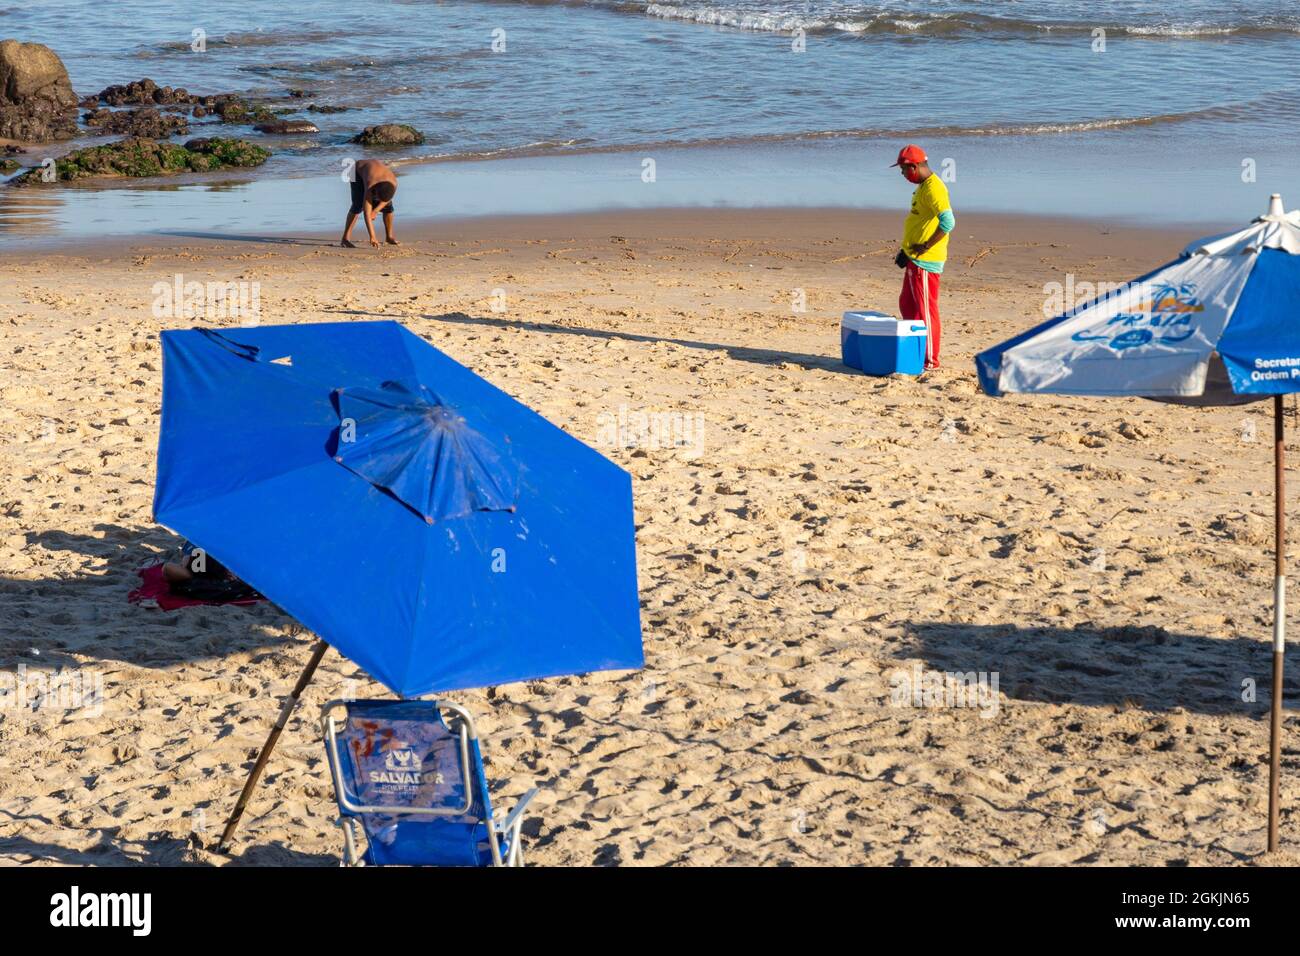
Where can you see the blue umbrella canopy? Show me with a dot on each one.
(421, 521)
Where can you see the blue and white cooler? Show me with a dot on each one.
(880, 344)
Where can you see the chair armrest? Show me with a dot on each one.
(504, 826)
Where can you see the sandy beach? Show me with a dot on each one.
(819, 540)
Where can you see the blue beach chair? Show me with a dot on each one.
(409, 773)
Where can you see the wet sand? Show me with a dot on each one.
(823, 538)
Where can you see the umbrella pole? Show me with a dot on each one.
(255, 774)
(1279, 620)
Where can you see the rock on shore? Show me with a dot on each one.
(145, 122)
(389, 134)
(37, 104)
(137, 157)
(143, 92)
(230, 107)
(287, 126)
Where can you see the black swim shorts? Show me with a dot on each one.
(358, 198)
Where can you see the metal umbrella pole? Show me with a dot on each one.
(223, 845)
(1279, 620)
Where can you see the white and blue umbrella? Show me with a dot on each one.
(1220, 325)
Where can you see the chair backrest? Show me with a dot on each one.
(415, 780)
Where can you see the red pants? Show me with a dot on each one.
(919, 302)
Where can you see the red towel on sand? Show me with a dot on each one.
(154, 588)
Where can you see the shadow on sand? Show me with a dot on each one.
(88, 614)
(741, 353)
(48, 621)
(1124, 666)
(234, 237)
(162, 849)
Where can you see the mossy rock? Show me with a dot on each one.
(140, 158)
(242, 111)
(389, 134)
(8, 166)
(226, 153)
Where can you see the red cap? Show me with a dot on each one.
(911, 153)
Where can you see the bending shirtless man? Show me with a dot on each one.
(373, 187)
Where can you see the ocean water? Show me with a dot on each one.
(1194, 102)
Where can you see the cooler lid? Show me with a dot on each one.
(878, 323)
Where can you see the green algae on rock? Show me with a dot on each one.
(137, 157)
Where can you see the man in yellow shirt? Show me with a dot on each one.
(925, 247)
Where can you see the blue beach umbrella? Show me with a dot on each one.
(1220, 325)
(431, 528)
